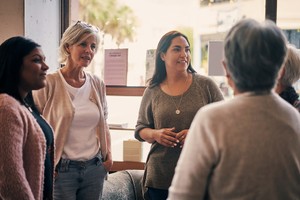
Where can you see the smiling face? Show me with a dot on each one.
(33, 71)
(82, 53)
(178, 55)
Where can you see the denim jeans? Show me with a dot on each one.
(81, 180)
(157, 194)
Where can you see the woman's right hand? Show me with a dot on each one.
(166, 137)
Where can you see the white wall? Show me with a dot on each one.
(288, 15)
(36, 19)
(42, 24)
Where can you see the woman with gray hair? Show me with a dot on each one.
(74, 103)
(247, 147)
(290, 75)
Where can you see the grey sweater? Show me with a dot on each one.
(240, 149)
(157, 111)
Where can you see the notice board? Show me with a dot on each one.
(115, 67)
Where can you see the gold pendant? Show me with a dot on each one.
(177, 112)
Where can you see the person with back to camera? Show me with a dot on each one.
(247, 147)
(26, 144)
(168, 106)
(74, 102)
(289, 76)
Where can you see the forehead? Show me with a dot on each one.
(88, 37)
(36, 51)
(179, 41)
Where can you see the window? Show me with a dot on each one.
(202, 21)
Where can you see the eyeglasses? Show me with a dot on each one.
(87, 25)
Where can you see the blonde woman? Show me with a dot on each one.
(290, 74)
(74, 102)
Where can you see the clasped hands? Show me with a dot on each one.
(167, 137)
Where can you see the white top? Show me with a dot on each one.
(82, 143)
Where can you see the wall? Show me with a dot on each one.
(36, 19)
(288, 16)
(42, 24)
(11, 17)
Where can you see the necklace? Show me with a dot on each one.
(27, 106)
(177, 111)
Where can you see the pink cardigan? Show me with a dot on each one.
(22, 152)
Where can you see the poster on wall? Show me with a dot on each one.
(115, 67)
(215, 57)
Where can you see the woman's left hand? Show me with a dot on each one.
(108, 162)
(181, 136)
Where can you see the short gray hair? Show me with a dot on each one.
(254, 54)
(75, 34)
(291, 66)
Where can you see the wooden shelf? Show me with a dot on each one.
(125, 90)
(122, 129)
(124, 165)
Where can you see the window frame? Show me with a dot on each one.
(270, 13)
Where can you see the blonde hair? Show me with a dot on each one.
(291, 66)
(75, 34)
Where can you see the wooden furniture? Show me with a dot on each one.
(126, 165)
(125, 90)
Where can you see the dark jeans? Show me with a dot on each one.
(157, 194)
(81, 180)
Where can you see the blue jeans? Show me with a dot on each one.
(81, 180)
(157, 194)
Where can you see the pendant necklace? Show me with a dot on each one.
(177, 111)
